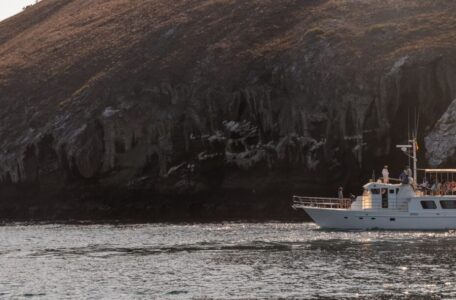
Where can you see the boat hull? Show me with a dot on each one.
(354, 219)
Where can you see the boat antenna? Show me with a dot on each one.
(415, 141)
(417, 122)
(413, 146)
(408, 123)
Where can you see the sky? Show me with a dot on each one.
(12, 7)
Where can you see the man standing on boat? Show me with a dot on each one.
(408, 171)
(404, 177)
(385, 174)
(340, 193)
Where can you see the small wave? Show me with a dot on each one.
(30, 295)
(173, 293)
(100, 251)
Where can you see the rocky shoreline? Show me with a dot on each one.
(143, 207)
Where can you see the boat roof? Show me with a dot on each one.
(379, 185)
(438, 170)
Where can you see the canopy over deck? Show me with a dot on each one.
(438, 170)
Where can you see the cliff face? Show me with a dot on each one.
(108, 101)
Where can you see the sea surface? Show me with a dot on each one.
(223, 261)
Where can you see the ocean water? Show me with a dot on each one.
(223, 261)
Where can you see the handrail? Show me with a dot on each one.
(321, 202)
(391, 179)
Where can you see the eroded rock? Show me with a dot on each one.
(118, 100)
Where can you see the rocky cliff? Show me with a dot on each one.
(162, 109)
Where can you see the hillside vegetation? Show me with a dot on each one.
(116, 105)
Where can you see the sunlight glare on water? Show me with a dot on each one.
(222, 261)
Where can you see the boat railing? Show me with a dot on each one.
(390, 180)
(320, 202)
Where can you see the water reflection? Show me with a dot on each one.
(223, 261)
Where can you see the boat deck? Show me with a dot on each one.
(320, 202)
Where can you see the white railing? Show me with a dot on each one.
(300, 202)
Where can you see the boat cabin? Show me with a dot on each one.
(384, 196)
(379, 196)
(434, 204)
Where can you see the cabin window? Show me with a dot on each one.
(448, 204)
(391, 191)
(375, 191)
(428, 205)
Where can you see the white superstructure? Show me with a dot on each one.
(383, 206)
(390, 206)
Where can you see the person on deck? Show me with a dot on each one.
(425, 187)
(433, 188)
(341, 193)
(425, 183)
(438, 189)
(385, 174)
(408, 171)
(404, 177)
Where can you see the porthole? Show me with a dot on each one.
(372, 218)
(361, 218)
(392, 219)
(345, 217)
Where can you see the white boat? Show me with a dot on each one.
(386, 206)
